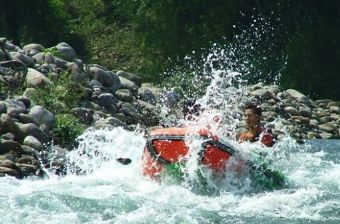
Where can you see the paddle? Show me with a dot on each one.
(124, 161)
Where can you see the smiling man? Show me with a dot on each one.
(254, 131)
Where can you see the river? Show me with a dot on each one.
(109, 192)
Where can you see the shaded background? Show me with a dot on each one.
(299, 39)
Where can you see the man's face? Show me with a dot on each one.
(251, 118)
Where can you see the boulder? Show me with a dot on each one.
(36, 79)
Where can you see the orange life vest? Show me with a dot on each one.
(264, 135)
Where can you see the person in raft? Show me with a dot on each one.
(253, 130)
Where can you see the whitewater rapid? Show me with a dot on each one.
(109, 192)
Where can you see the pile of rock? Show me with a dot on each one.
(302, 117)
(111, 99)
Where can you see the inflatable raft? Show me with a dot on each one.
(166, 151)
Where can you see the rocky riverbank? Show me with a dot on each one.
(106, 99)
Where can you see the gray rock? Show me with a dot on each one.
(21, 57)
(15, 107)
(8, 125)
(325, 127)
(149, 94)
(106, 99)
(128, 84)
(39, 57)
(124, 95)
(297, 95)
(32, 130)
(130, 76)
(8, 136)
(95, 84)
(42, 116)
(314, 123)
(26, 150)
(9, 164)
(110, 121)
(101, 76)
(262, 94)
(26, 101)
(84, 114)
(333, 103)
(305, 111)
(32, 49)
(36, 79)
(34, 143)
(116, 81)
(49, 58)
(26, 118)
(8, 171)
(170, 98)
(27, 169)
(3, 107)
(77, 75)
(334, 109)
(326, 135)
(61, 63)
(26, 159)
(292, 111)
(66, 52)
(9, 145)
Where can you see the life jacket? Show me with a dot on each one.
(264, 135)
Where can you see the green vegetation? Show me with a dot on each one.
(298, 38)
(66, 130)
(61, 96)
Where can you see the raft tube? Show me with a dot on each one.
(166, 150)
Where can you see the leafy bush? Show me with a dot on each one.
(59, 97)
(67, 128)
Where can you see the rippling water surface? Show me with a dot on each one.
(113, 193)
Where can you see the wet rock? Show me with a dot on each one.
(326, 128)
(148, 93)
(326, 135)
(26, 159)
(84, 114)
(297, 95)
(27, 169)
(106, 99)
(128, 84)
(8, 171)
(33, 142)
(8, 136)
(21, 57)
(334, 109)
(42, 116)
(292, 111)
(124, 95)
(314, 123)
(110, 121)
(26, 118)
(15, 107)
(32, 130)
(26, 150)
(130, 76)
(9, 145)
(101, 76)
(9, 164)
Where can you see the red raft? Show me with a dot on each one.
(167, 146)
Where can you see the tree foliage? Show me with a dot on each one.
(148, 37)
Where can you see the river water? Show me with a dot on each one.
(109, 192)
